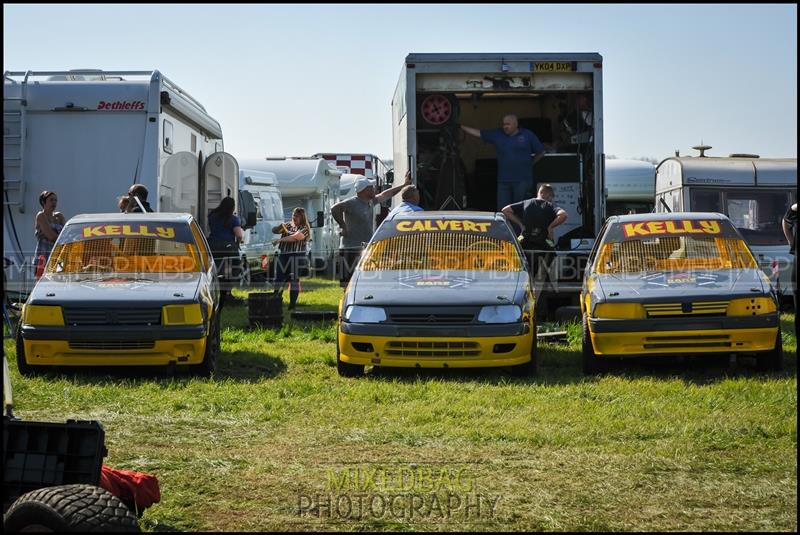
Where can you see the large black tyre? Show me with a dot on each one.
(346, 369)
(25, 369)
(529, 368)
(591, 363)
(70, 508)
(772, 360)
(209, 364)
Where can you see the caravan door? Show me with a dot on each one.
(220, 179)
(178, 190)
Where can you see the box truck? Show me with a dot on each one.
(558, 96)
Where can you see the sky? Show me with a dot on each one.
(294, 80)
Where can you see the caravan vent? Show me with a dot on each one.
(276, 157)
(743, 155)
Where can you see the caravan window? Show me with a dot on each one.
(167, 137)
(757, 214)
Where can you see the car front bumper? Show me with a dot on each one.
(107, 346)
(423, 348)
(670, 336)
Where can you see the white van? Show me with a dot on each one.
(258, 252)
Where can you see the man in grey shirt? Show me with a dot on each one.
(356, 218)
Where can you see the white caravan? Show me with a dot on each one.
(753, 192)
(88, 135)
(313, 184)
(630, 187)
(257, 247)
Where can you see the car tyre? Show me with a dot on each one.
(592, 365)
(529, 368)
(209, 364)
(69, 508)
(346, 369)
(772, 360)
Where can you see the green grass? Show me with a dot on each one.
(692, 445)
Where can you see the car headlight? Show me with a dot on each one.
(751, 306)
(500, 314)
(42, 315)
(619, 311)
(182, 314)
(361, 314)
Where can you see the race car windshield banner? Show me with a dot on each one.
(483, 228)
(696, 228)
(177, 232)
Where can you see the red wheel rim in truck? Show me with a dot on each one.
(436, 109)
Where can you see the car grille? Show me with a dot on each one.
(116, 316)
(667, 310)
(686, 341)
(438, 315)
(112, 345)
(432, 349)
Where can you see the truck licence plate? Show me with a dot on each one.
(554, 66)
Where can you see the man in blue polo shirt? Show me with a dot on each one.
(516, 148)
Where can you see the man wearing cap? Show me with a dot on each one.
(356, 219)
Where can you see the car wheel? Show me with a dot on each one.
(346, 369)
(25, 369)
(70, 508)
(772, 360)
(591, 363)
(528, 368)
(209, 364)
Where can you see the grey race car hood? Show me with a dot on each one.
(116, 288)
(681, 285)
(415, 288)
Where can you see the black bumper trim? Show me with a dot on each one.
(599, 326)
(451, 331)
(112, 333)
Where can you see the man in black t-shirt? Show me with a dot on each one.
(790, 231)
(537, 218)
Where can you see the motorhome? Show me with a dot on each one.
(313, 184)
(257, 248)
(753, 192)
(88, 135)
(630, 186)
(558, 96)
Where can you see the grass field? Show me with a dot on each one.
(277, 435)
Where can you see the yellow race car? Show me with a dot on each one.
(134, 289)
(439, 290)
(676, 284)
